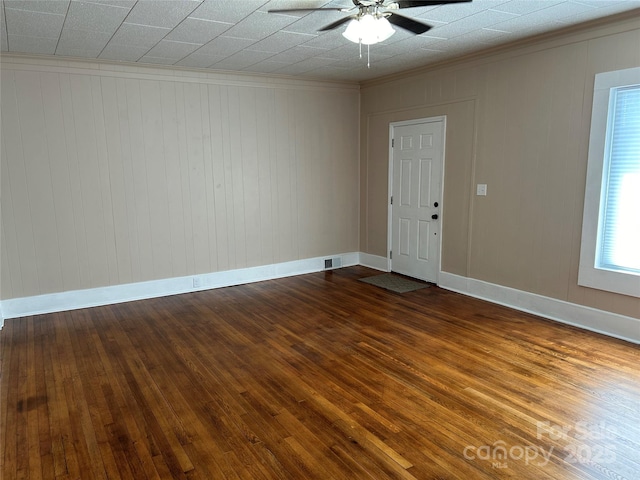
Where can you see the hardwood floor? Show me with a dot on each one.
(317, 376)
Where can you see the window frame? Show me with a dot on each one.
(626, 283)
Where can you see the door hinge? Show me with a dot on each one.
(391, 199)
(393, 142)
(390, 254)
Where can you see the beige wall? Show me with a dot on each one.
(517, 121)
(114, 174)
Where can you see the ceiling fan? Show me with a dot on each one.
(380, 11)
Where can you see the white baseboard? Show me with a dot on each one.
(607, 323)
(94, 297)
(619, 326)
(374, 261)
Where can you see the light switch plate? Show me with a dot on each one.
(481, 189)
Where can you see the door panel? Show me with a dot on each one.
(405, 183)
(404, 232)
(424, 239)
(417, 160)
(425, 183)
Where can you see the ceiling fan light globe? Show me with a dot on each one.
(352, 32)
(368, 30)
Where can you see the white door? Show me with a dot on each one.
(416, 203)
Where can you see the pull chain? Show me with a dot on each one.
(368, 55)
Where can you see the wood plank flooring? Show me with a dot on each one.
(317, 376)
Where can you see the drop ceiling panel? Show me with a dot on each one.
(157, 60)
(597, 13)
(311, 64)
(123, 53)
(36, 45)
(131, 34)
(401, 34)
(116, 3)
(241, 35)
(175, 50)
(313, 22)
(33, 24)
(164, 13)
(241, 60)
(95, 17)
(523, 7)
(195, 30)
(227, 11)
(225, 46)
(196, 60)
(561, 10)
(470, 24)
(281, 41)
(44, 6)
(259, 25)
(452, 13)
(76, 40)
(327, 40)
(297, 54)
(280, 4)
(406, 45)
(268, 66)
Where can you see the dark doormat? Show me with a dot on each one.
(395, 283)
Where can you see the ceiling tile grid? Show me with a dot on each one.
(240, 35)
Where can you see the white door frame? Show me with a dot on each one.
(442, 119)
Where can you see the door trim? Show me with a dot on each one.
(439, 119)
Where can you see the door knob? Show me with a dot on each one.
(434, 216)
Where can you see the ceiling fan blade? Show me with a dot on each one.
(408, 23)
(426, 3)
(336, 24)
(285, 10)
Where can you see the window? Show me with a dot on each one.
(610, 252)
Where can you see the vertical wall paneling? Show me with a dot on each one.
(237, 165)
(22, 255)
(81, 261)
(38, 172)
(10, 276)
(265, 128)
(96, 211)
(305, 226)
(209, 178)
(219, 185)
(127, 227)
(117, 181)
(227, 166)
(184, 178)
(175, 223)
(102, 154)
(293, 167)
(285, 199)
(248, 143)
(141, 218)
(156, 178)
(121, 175)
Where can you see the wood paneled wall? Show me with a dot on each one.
(518, 120)
(114, 174)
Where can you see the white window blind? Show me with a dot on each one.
(619, 226)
